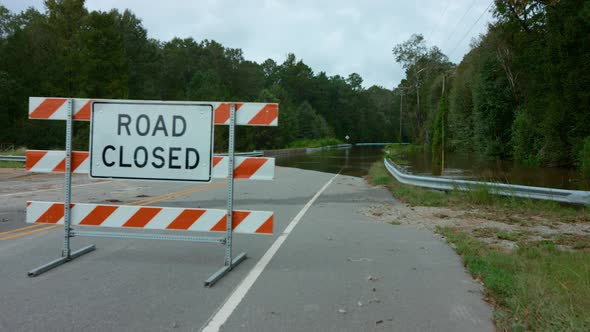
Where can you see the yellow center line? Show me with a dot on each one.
(177, 194)
(146, 201)
(14, 236)
(19, 229)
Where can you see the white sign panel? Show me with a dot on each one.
(151, 141)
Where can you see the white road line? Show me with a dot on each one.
(221, 316)
(57, 188)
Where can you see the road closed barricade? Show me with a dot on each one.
(153, 141)
(253, 168)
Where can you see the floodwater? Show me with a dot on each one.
(354, 161)
(470, 167)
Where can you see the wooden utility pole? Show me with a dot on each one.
(401, 106)
(442, 159)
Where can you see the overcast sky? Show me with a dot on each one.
(338, 37)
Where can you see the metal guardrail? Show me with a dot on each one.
(244, 154)
(12, 158)
(379, 144)
(551, 194)
(328, 147)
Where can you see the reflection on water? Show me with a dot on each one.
(469, 166)
(354, 161)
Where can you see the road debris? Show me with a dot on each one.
(359, 260)
(373, 278)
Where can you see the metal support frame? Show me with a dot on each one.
(68, 183)
(55, 263)
(146, 236)
(229, 263)
(230, 186)
(225, 270)
(66, 253)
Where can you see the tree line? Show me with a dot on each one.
(521, 93)
(68, 51)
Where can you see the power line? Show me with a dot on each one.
(440, 19)
(459, 22)
(471, 28)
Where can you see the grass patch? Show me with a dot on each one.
(315, 143)
(378, 175)
(575, 241)
(508, 235)
(512, 210)
(535, 288)
(15, 152)
(485, 232)
(11, 164)
(494, 232)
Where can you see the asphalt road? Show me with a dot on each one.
(335, 269)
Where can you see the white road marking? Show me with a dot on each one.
(57, 188)
(222, 315)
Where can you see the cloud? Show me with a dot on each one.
(335, 36)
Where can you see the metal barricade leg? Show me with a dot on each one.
(229, 263)
(66, 253)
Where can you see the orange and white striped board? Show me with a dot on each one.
(148, 217)
(252, 168)
(248, 114)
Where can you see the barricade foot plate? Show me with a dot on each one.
(225, 270)
(60, 261)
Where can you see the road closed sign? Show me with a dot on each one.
(151, 141)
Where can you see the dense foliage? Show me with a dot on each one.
(522, 92)
(71, 52)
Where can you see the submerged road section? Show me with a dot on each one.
(328, 267)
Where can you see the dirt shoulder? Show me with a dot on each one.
(497, 230)
(498, 221)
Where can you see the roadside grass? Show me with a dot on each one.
(534, 288)
(575, 241)
(502, 234)
(378, 175)
(14, 152)
(315, 143)
(482, 199)
(11, 164)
